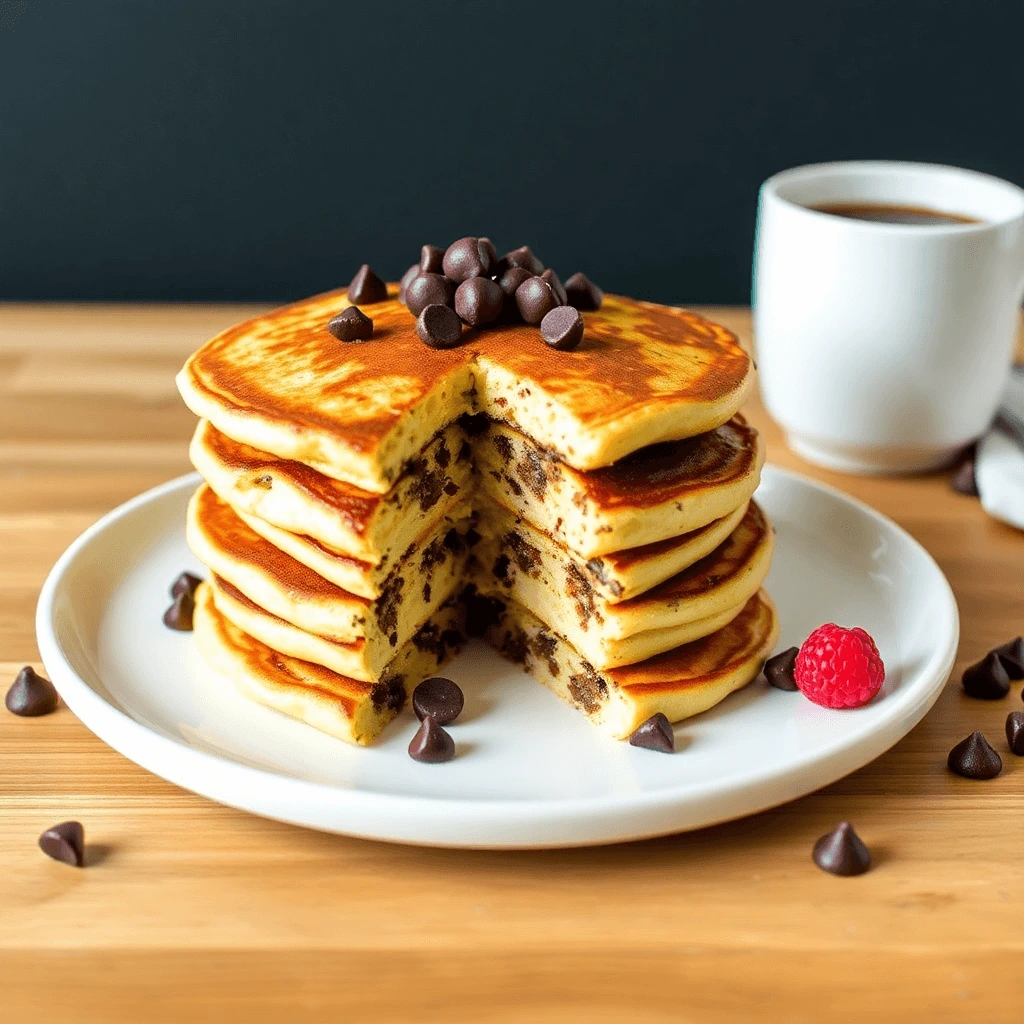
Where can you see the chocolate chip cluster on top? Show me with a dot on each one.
(469, 284)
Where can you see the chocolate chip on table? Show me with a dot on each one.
(179, 615)
(1015, 732)
(523, 257)
(31, 694)
(185, 582)
(479, 300)
(351, 324)
(535, 299)
(65, 842)
(556, 286)
(1011, 654)
(779, 670)
(439, 327)
(438, 698)
(654, 734)
(974, 758)
(431, 259)
(562, 328)
(988, 679)
(842, 852)
(366, 287)
(412, 273)
(583, 293)
(431, 744)
(963, 480)
(468, 257)
(428, 290)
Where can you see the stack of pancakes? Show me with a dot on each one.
(367, 505)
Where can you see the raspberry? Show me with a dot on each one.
(839, 668)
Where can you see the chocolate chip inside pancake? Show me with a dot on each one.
(31, 694)
(351, 324)
(535, 299)
(366, 287)
(583, 293)
(562, 328)
(427, 290)
(439, 326)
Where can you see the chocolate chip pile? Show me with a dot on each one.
(468, 284)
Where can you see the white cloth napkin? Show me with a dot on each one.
(999, 463)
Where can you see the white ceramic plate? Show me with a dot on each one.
(529, 771)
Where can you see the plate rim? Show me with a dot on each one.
(191, 768)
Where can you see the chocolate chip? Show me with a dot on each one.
(407, 277)
(351, 324)
(479, 300)
(974, 758)
(439, 698)
(488, 252)
(523, 257)
(366, 287)
(428, 290)
(562, 328)
(439, 327)
(988, 679)
(186, 582)
(1011, 654)
(583, 293)
(1015, 732)
(534, 299)
(31, 694)
(963, 480)
(179, 615)
(468, 257)
(511, 279)
(842, 852)
(655, 734)
(431, 743)
(779, 670)
(65, 842)
(556, 286)
(431, 259)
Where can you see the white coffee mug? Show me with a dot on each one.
(885, 347)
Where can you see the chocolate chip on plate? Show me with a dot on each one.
(562, 328)
(1015, 732)
(963, 480)
(185, 582)
(65, 842)
(1011, 654)
(535, 299)
(779, 670)
(842, 852)
(468, 257)
(351, 324)
(31, 694)
(179, 615)
(583, 293)
(556, 286)
(974, 758)
(428, 290)
(654, 734)
(431, 259)
(431, 743)
(412, 273)
(523, 257)
(438, 326)
(439, 698)
(479, 300)
(366, 287)
(988, 679)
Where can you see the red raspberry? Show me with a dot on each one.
(839, 668)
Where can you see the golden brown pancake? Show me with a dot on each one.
(281, 383)
(679, 683)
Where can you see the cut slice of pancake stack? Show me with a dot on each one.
(368, 505)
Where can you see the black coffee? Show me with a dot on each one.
(884, 213)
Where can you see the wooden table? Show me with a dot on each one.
(192, 911)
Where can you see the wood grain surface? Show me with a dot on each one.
(192, 911)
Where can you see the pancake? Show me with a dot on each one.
(277, 583)
(369, 528)
(350, 709)
(679, 683)
(656, 494)
(359, 413)
(530, 568)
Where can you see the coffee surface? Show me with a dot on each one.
(886, 213)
